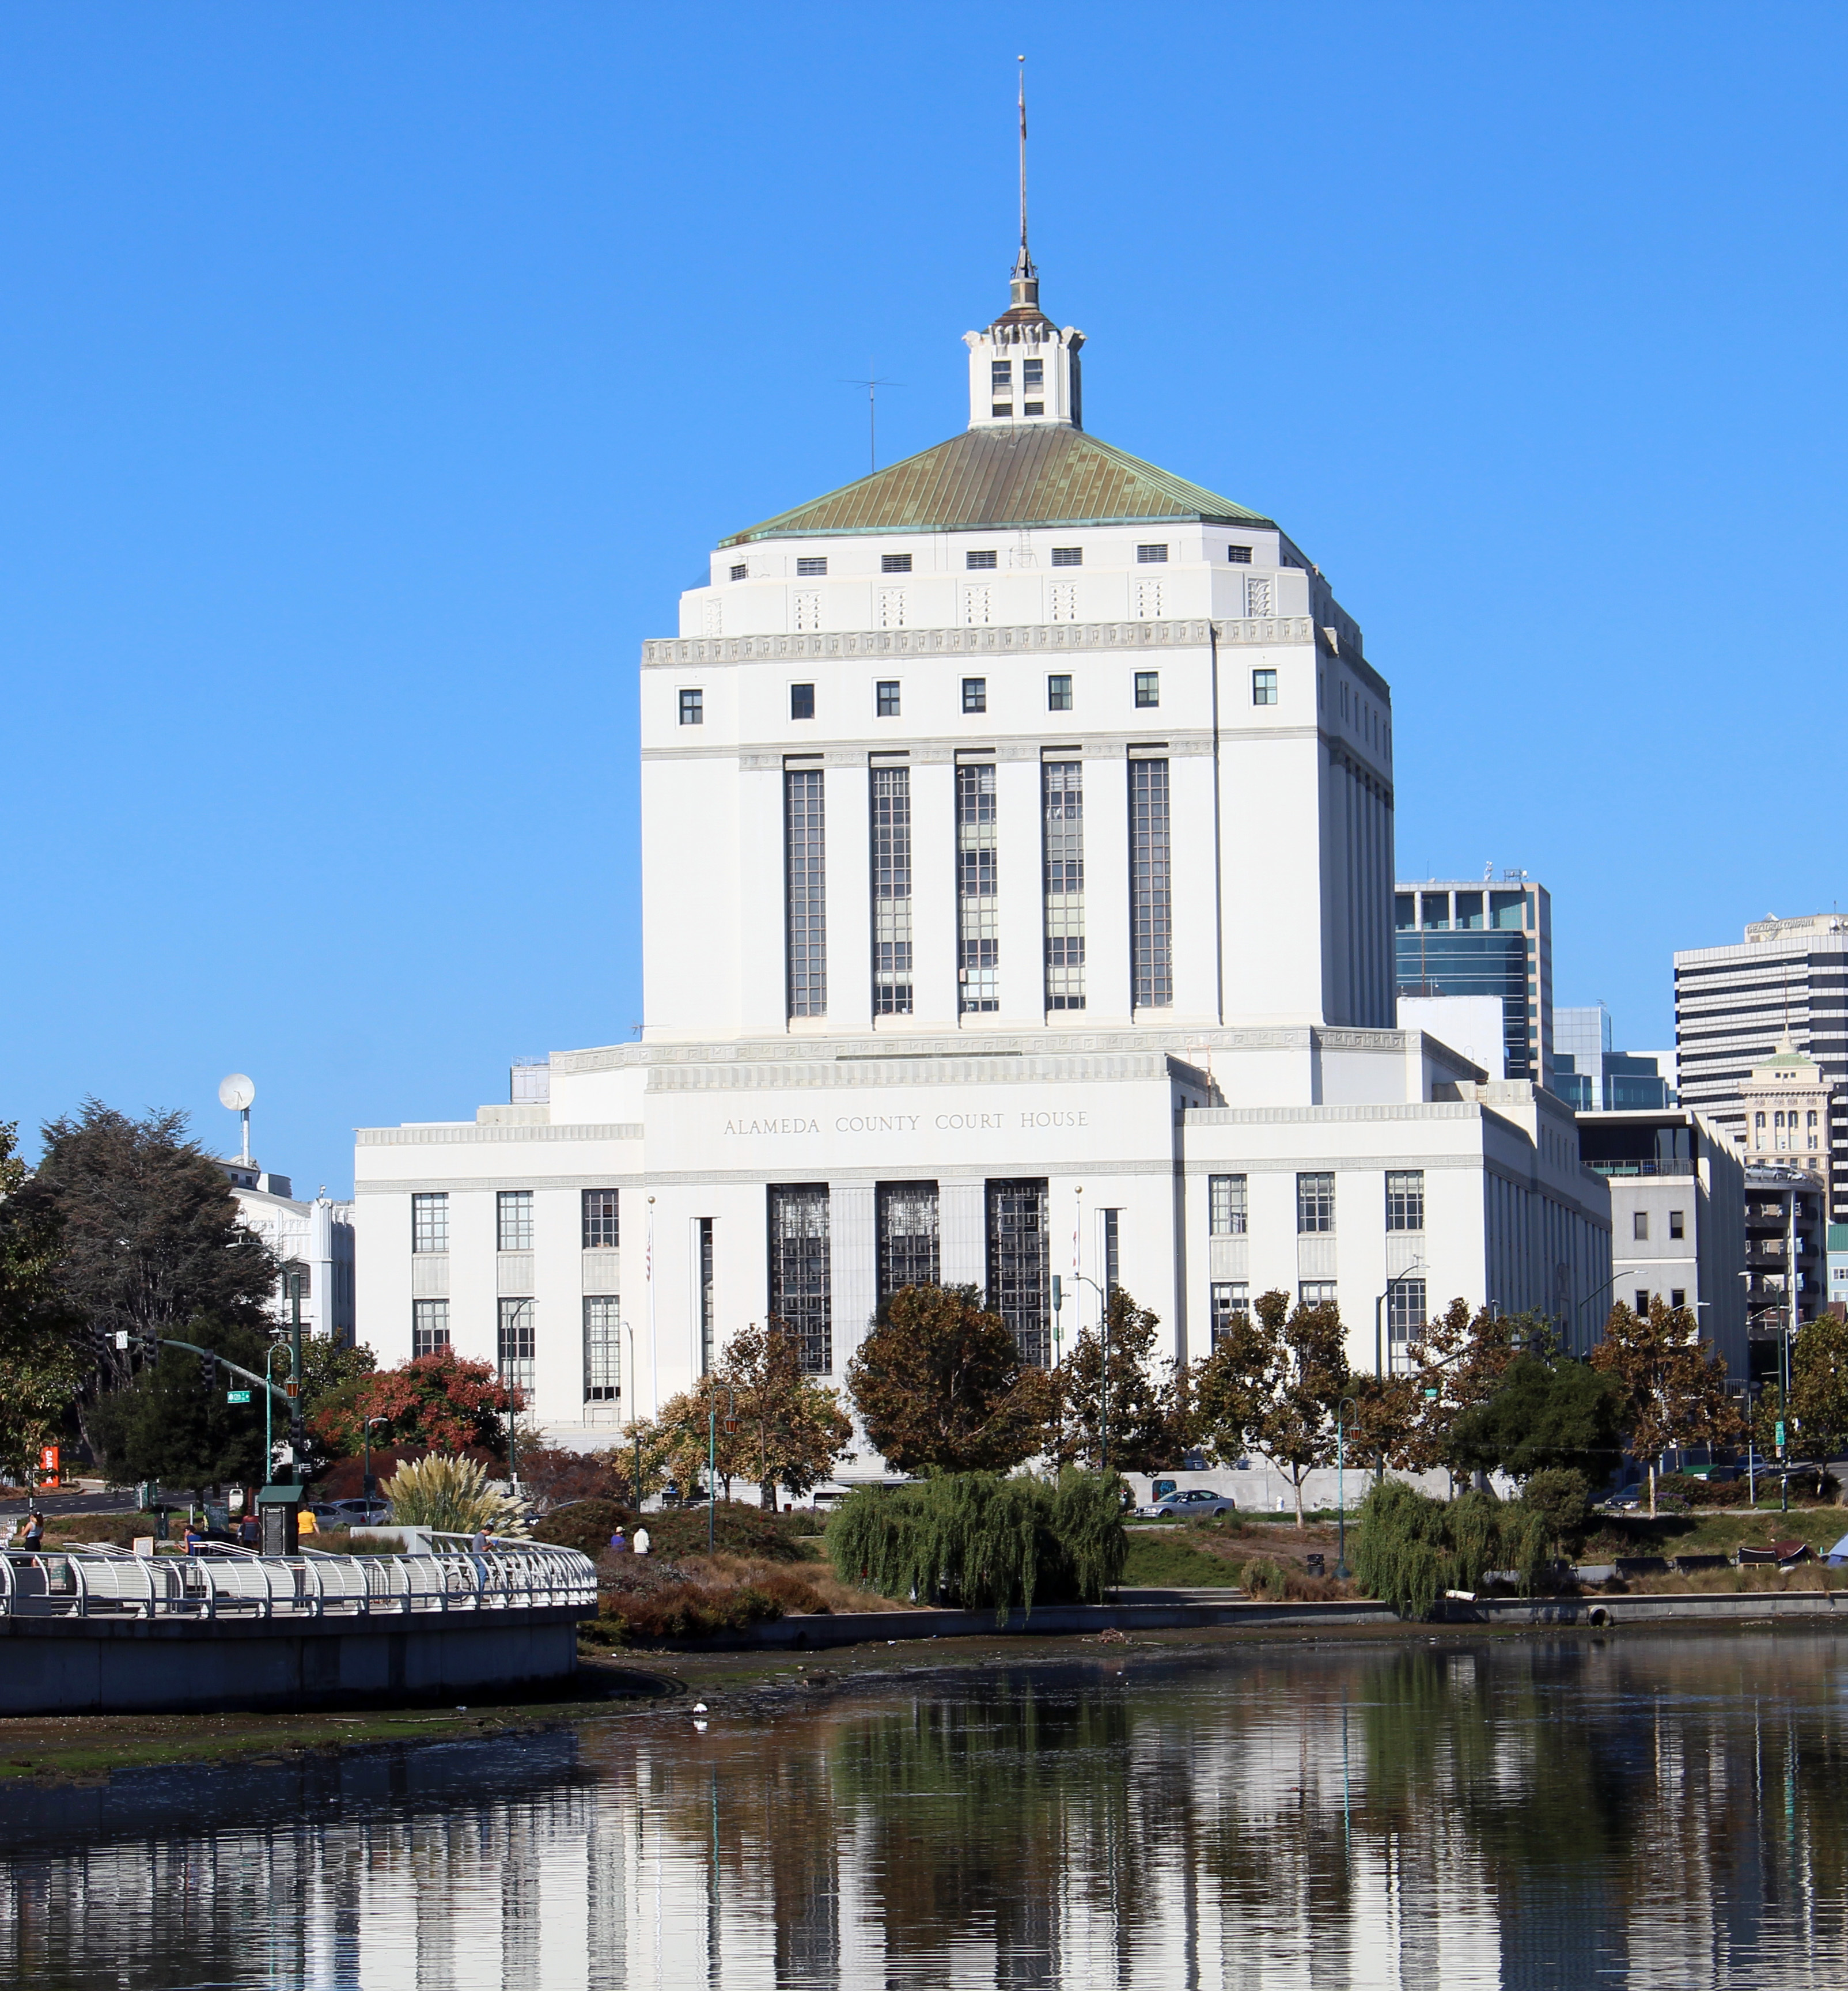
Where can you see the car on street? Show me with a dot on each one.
(1195, 1503)
(351, 1513)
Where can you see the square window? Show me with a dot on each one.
(1068, 556)
(802, 701)
(1058, 693)
(811, 566)
(1264, 687)
(1152, 556)
(887, 698)
(974, 694)
(1239, 555)
(895, 563)
(739, 572)
(979, 558)
(1677, 1223)
(693, 708)
(1148, 689)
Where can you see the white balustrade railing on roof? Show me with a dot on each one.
(94, 1580)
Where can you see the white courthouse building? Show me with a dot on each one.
(1018, 877)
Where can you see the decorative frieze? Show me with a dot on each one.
(801, 646)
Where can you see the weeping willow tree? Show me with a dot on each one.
(1411, 1547)
(977, 1541)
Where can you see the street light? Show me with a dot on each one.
(1379, 1304)
(635, 1423)
(712, 1454)
(1345, 1404)
(1104, 1374)
(366, 1487)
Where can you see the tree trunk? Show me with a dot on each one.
(1652, 1489)
(1301, 1525)
(766, 1493)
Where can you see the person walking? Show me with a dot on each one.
(34, 1538)
(643, 1543)
(250, 1529)
(619, 1544)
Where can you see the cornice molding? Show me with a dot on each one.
(987, 640)
(462, 1134)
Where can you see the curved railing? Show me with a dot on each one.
(94, 1580)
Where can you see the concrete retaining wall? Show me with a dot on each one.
(65, 1665)
(1721, 1607)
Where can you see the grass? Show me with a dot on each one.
(1713, 1531)
(1165, 1561)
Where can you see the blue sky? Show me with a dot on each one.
(375, 377)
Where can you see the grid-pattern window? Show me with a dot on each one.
(805, 859)
(895, 563)
(428, 1326)
(1264, 687)
(1405, 1308)
(513, 1221)
(974, 694)
(1226, 1209)
(1151, 908)
(602, 1331)
(810, 566)
(429, 1223)
(978, 926)
(1315, 1203)
(1405, 1198)
(602, 1232)
(908, 1248)
(1231, 1297)
(981, 558)
(801, 1291)
(1063, 785)
(1068, 556)
(693, 708)
(1316, 1292)
(1147, 689)
(1239, 555)
(702, 1252)
(1113, 1249)
(1019, 1282)
(891, 891)
(519, 1347)
(802, 701)
(1058, 692)
(1152, 556)
(886, 698)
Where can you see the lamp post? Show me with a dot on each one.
(1347, 1403)
(366, 1480)
(295, 1277)
(712, 1454)
(635, 1421)
(1103, 1373)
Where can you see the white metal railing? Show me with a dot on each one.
(97, 1580)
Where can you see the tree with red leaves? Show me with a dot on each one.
(443, 1401)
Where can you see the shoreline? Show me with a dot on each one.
(66, 1753)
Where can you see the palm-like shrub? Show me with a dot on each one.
(452, 1496)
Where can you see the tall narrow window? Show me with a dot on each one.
(513, 1220)
(801, 1293)
(808, 919)
(707, 1317)
(908, 1249)
(977, 934)
(602, 1331)
(1113, 1250)
(518, 1345)
(1063, 785)
(1405, 1198)
(1019, 1279)
(428, 1326)
(601, 1231)
(1226, 1205)
(1151, 912)
(802, 701)
(891, 891)
(429, 1223)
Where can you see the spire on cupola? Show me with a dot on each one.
(1024, 368)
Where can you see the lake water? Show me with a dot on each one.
(1641, 1812)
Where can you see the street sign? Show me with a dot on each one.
(238, 1396)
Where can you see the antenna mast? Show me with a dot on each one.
(872, 384)
(1026, 261)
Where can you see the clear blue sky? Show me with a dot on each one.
(376, 376)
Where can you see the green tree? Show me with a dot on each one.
(1273, 1386)
(1543, 1417)
(1148, 1398)
(1675, 1384)
(42, 1362)
(1819, 1387)
(1460, 1361)
(151, 1239)
(167, 1425)
(940, 1386)
(333, 1377)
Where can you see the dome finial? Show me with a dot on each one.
(1025, 278)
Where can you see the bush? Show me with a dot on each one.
(1692, 1492)
(1263, 1578)
(1563, 1499)
(585, 1526)
(978, 1539)
(1411, 1547)
(452, 1496)
(689, 1610)
(738, 1529)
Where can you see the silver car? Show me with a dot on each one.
(1194, 1504)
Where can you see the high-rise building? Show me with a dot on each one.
(1017, 854)
(1734, 1007)
(1473, 936)
(1592, 1077)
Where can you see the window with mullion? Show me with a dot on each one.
(1062, 787)
(977, 934)
(602, 1231)
(1315, 1203)
(801, 1278)
(1019, 1278)
(891, 891)
(513, 1220)
(909, 1253)
(805, 887)
(1150, 908)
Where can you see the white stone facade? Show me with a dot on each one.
(313, 1239)
(1018, 902)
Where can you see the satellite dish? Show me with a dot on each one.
(236, 1093)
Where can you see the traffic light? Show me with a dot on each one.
(208, 1373)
